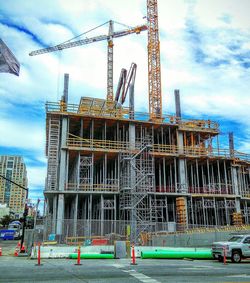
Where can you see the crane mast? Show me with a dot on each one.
(110, 91)
(154, 65)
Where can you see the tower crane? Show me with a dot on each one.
(112, 34)
(154, 65)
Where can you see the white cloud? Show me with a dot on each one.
(221, 28)
(36, 176)
(21, 134)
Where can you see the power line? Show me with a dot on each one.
(26, 189)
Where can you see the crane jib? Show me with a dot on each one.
(59, 47)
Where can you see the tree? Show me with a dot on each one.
(6, 219)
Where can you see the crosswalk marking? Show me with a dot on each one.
(140, 276)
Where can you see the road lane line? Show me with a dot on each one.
(239, 275)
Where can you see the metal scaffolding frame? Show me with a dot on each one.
(136, 182)
(53, 141)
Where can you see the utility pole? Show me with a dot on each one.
(25, 212)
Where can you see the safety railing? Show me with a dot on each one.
(171, 149)
(75, 141)
(165, 189)
(203, 125)
(124, 113)
(174, 150)
(242, 156)
(246, 193)
(212, 189)
(201, 152)
(92, 187)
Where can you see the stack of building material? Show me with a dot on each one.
(237, 219)
(181, 213)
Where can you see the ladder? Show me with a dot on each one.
(53, 153)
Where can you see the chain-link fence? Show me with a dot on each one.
(74, 231)
(85, 232)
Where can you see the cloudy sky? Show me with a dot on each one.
(205, 52)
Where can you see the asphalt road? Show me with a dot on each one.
(8, 247)
(18, 269)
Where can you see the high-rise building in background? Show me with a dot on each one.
(13, 168)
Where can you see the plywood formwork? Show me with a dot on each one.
(123, 174)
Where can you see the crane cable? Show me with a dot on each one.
(83, 33)
(127, 26)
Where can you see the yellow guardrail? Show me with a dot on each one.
(92, 187)
(76, 141)
(100, 108)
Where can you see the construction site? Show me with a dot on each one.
(113, 171)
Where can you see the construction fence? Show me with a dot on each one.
(84, 231)
(96, 232)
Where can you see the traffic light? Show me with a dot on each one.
(26, 210)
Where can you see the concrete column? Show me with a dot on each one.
(54, 217)
(90, 215)
(177, 103)
(236, 188)
(231, 143)
(132, 183)
(60, 214)
(235, 181)
(181, 161)
(115, 214)
(66, 87)
(63, 155)
(102, 214)
(181, 165)
(132, 135)
(75, 216)
(62, 175)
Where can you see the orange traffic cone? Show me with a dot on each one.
(16, 251)
(23, 249)
(19, 244)
(0, 251)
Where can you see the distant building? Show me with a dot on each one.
(13, 168)
(4, 210)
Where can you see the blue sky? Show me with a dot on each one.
(205, 52)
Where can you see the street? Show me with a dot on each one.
(8, 247)
(19, 269)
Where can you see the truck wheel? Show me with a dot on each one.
(236, 257)
(220, 258)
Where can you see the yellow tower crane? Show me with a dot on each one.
(108, 37)
(154, 64)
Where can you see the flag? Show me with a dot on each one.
(8, 62)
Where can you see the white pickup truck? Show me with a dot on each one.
(236, 248)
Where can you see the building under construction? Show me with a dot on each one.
(112, 169)
(104, 166)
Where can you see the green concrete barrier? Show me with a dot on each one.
(92, 256)
(178, 254)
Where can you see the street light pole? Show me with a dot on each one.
(25, 208)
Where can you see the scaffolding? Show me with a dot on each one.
(53, 139)
(110, 173)
(136, 182)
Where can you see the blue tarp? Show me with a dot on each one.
(7, 234)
